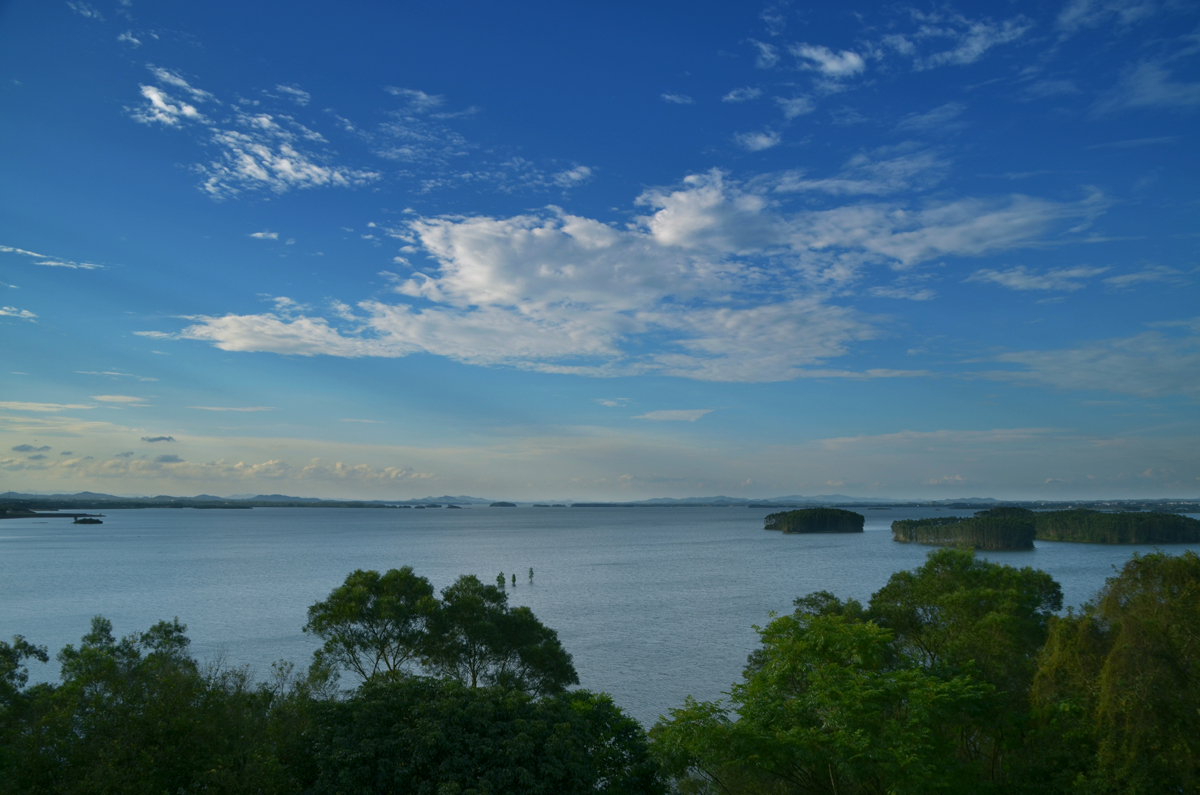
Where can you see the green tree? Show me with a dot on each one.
(430, 737)
(139, 715)
(374, 624)
(823, 708)
(476, 638)
(1118, 688)
(958, 614)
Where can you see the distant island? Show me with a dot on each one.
(815, 520)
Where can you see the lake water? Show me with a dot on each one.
(653, 603)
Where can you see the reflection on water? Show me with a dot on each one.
(654, 603)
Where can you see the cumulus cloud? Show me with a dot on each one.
(676, 415)
(1022, 278)
(264, 235)
(832, 64)
(28, 448)
(128, 38)
(12, 311)
(678, 99)
(795, 106)
(158, 438)
(715, 281)
(757, 141)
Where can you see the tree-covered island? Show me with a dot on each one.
(815, 520)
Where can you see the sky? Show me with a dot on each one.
(600, 252)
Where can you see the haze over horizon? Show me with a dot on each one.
(614, 252)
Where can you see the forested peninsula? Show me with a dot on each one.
(962, 676)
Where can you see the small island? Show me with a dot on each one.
(503, 505)
(1117, 527)
(995, 529)
(815, 520)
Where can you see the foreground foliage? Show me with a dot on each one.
(959, 677)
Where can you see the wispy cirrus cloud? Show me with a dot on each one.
(257, 150)
(1023, 278)
(674, 415)
(49, 261)
(677, 99)
(1148, 85)
(1156, 363)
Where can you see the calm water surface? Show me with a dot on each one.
(654, 604)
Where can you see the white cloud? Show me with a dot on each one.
(884, 171)
(572, 177)
(51, 262)
(18, 405)
(12, 311)
(940, 119)
(264, 235)
(713, 282)
(757, 141)
(1151, 364)
(678, 99)
(1152, 273)
(676, 415)
(128, 38)
(742, 94)
(129, 400)
(768, 54)
(85, 10)
(1148, 85)
(1022, 278)
(795, 106)
(418, 101)
(257, 150)
(832, 64)
(1092, 13)
(298, 96)
(971, 38)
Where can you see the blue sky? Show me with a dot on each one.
(612, 252)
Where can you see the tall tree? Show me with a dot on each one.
(476, 638)
(374, 624)
(1120, 681)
